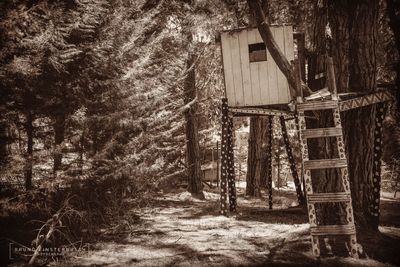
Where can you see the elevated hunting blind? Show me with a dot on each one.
(252, 77)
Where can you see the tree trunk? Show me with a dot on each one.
(29, 152)
(324, 180)
(393, 9)
(360, 124)
(317, 48)
(81, 151)
(354, 30)
(339, 21)
(252, 185)
(195, 185)
(59, 130)
(3, 141)
(257, 166)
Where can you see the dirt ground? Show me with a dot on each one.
(178, 230)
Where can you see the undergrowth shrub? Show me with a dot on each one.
(84, 208)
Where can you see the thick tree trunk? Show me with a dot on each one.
(339, 21)
(195, 185)
(324, 180)
(257, 166)
(59, 130)
(29, 151)
(354, 32)
(318, 45)
(393, 10)
(360, 124)
(252, 184)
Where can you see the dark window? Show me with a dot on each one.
(257, 52)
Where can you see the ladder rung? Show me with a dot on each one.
(325, 164)
(318, 105)
(328, 197)
(322, 132)
(323, 230)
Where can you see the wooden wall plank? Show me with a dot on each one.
(262, 74)
(237, 70)
(228, 73)
(245, 65)
(255, 83)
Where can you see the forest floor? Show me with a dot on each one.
(176, 229)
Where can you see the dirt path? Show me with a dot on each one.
(179, 230)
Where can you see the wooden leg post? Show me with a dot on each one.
(224, 157)
(269, 160)
(296, 120)
(231, 168)
(218, 160)
(374, 208)
(331, 78)
(312, 218)
(292, 162)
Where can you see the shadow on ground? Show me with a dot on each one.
(177, 230)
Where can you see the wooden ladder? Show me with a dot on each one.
(341, 163)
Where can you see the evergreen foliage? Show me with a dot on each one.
(98, 85)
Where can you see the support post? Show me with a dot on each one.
(269, 160)
(380, 114)
(227, 162)
(212, 167)
(231, 167)
(297, 76)
(331, 78)
(292, 162)
(296, 120)
(218, 161)
(224, 157)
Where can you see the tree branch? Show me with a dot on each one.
(273, 48)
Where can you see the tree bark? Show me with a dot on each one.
(354, 32)
(195, 185)
(3, 141)
(339, 21)
(324, 180)
(393, 10)
(257, 166)
(360, 124)
(59, 131)
(81, 152)
(318, 46)
(29, 151)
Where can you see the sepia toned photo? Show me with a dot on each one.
(200, 133)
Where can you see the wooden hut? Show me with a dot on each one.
(252, 77)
